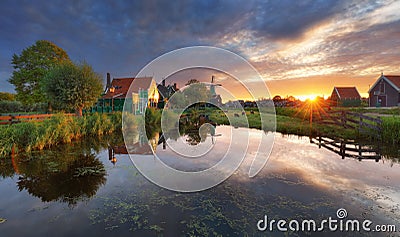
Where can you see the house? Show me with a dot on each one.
(165, 93)
(385, 92)
(345, 96)
(114, 95)
(144, 94)
(138, 93)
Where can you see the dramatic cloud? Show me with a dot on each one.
(282, 39)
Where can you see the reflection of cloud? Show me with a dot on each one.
(295, 161)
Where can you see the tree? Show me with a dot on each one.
(7, 96)
(196, 92)
(192, 81)
(31, 66)
(277, 98)
(71, 86)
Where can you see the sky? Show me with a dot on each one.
(298, 47)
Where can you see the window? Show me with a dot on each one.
(382, 87)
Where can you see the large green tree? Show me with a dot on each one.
(31, 66)
(72, 86)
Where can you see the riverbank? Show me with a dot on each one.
(28, 136)
(297, 121)
(59, 129)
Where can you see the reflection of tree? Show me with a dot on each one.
(6, 168)
(75, 175)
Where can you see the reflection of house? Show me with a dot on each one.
(144, 94)
(345, 96)
(385, 92)
(165, 93)
(140, 146)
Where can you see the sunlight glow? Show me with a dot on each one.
(310, 97)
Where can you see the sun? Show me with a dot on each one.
(310, 97)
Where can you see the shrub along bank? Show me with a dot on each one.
(25, 137)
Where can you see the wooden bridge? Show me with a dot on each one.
(12, 119)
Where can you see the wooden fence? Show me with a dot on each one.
(12, 119)
(352, 120)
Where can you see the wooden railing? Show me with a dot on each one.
(12, 119)
(348, 119)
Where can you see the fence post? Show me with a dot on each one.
(343, 149)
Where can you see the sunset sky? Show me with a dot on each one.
(299, 47)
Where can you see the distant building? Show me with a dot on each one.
(385, 92)
(345, 96)
(216, 99)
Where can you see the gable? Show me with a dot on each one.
(141, 83)
(393, 81)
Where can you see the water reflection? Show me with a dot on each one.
(345, 148)
(69, 174)
(360, 150)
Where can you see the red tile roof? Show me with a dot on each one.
(121, 86)
(347, 93)
(394, 79)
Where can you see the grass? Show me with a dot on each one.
(391, 129)
(28, 136)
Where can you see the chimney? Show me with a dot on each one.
(108, 85)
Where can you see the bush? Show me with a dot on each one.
(7, 106)
(55, 130)
(391, 129)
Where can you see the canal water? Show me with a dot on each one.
(91, 188)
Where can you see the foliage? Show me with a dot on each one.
(7, 106)
(17, 107)
(192, 81)
(58, 129)
(197, 92)
(7, 96)
(97, 124)
(31, 66)
(391, 129)
(71, 86)
(350, 103)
